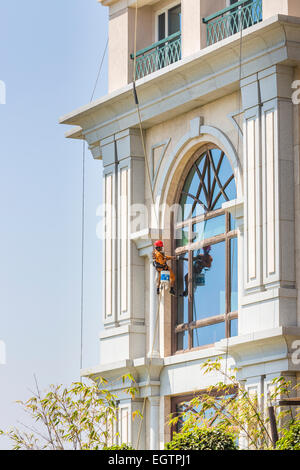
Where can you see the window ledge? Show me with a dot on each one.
(204, 353)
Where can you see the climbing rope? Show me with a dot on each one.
(82, 257)
(155, 213)
(83, 219)
(238, 148)
(140, 118)
(153, 199)
(149, 368)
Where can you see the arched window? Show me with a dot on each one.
(206, 250)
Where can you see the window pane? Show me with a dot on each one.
(209, 183)
(182, 288)
(182, 236)
(209, 283)
(208, 334)
(189, 206)
(186, 408)
(232, 223)
(174, 20)
(234, 327)
(209, 228)
(234, 273)
(224, 173)
(182, 340)
(161, 26)
(189, 410)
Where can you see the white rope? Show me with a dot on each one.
(155, 212)
(238, 148)
(83, 222)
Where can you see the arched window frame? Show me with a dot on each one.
(229, 234)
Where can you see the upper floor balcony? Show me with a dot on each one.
(158, 55)
(236, 17)
(170, 30)
(239, 15)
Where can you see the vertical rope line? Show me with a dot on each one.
(99, 71)
(233, 251)
(83, 220)
(82, 256)
(140, 118)
(154, 206)
(149, 369)
(135, 41)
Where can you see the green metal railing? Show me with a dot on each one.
(239, 16)
(158, 55)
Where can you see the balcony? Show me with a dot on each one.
(158, 55)
(230, 20)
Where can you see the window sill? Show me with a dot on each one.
(204, 352)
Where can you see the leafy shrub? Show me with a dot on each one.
(202, 439)
(121, 447)
(290, 439)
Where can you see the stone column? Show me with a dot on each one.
(124, 312)
(154, 422)
(110, 197)
(153, 312)
(269, 242)
(130, 431)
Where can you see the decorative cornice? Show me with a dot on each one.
(145, 371)
(262, 351)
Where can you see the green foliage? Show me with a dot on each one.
(290, 439)
(121, 447)
(203, 439)
(81, 417)
(233, 408)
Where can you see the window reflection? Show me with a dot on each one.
(182, 341)
(234, 327)
(207, 282)
(208, 334)
(234, 271)
(182, 287)
(185, 409)
(209, 292)
(208, 228)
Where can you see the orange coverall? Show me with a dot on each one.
(160, 263)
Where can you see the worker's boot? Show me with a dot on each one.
(172, 291)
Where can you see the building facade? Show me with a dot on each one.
(206, 158)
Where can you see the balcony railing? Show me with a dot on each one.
(158, 55)
(232, 19)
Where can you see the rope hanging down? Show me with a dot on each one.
(152, 193)
(83, 220)
(238, 148)
(156, 216)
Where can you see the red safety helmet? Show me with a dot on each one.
(158, 243)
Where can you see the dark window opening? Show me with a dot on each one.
(174, 20)
(169, 23)
(161, 26)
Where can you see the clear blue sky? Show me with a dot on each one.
(50, 53)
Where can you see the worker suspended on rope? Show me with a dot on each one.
(200, 262)
(160, 264)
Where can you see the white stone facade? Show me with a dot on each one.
(239, 98)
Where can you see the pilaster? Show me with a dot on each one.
(124, 334)
(269, 296)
